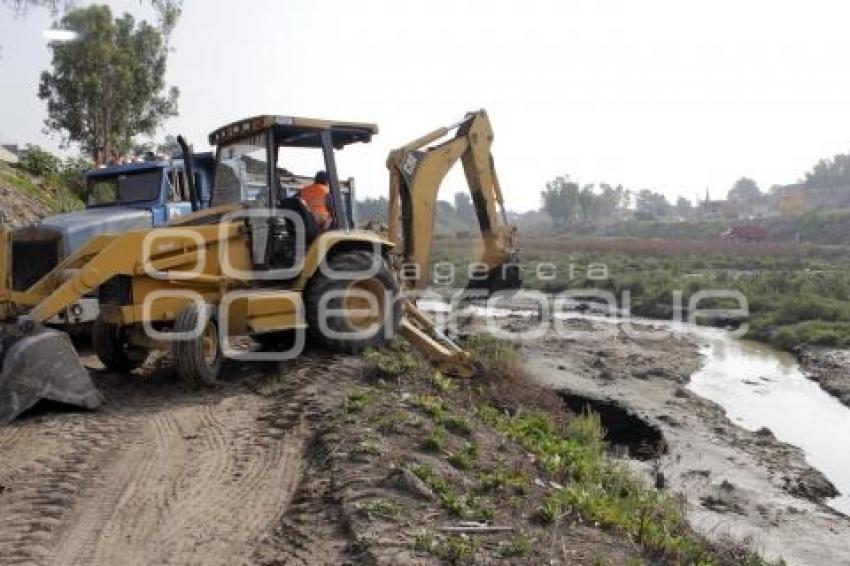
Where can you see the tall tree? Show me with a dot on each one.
(168, 11)
(830, 173)
(589, 209)
(109, 85)
(744, 189)
(561, 200)
(21, 7)
(654, 204)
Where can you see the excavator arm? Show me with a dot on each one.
(416, 172)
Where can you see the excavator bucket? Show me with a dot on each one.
(41, 364)
(505, 277)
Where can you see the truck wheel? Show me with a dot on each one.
(197, 360)
(357, 331)
(112, 348)
(275, 341)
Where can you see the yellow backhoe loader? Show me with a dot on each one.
(255, 263)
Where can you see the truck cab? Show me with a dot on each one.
(135, 195)
(120, 198)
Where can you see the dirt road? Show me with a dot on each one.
(166, 475)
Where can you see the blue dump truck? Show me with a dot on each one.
(120, 198)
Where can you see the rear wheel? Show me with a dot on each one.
(113, 350)
(198, 359)
(359, 311)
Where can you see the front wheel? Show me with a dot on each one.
(354, 307)
(197, 359)
(112, 348)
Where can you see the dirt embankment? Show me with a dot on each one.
(746, 484)
(18, 208)
(830, 368)
(17, 205)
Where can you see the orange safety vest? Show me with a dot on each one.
(316, 197)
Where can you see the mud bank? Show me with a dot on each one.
(735, 482)
(830, 368)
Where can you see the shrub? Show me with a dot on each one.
(39, 162)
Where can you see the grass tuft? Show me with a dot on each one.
(435, 441)
(519, 546)
(458, 425)
(464, 459)
(380, 508)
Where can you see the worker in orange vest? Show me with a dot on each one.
(315, 196)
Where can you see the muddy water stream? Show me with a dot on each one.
(758, 386)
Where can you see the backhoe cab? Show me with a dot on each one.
(253, 157)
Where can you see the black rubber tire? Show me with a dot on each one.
(275, 341)
(113, 350)
(190, 363)
(352, 261)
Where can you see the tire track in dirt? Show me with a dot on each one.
(10, 434)
(125, 484)
(313, 530)
(166, 476)
(194, 486)
(249, 489)
(39, 495)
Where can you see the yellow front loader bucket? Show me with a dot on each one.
(40, 363)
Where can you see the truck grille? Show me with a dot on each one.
(33, 256)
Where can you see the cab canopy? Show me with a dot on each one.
(254, 158)
(295, 132)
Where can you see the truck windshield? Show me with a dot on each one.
(124, 188)
(240, 173)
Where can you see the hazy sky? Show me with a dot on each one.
(671, 96)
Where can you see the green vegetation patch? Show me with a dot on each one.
(601, 491)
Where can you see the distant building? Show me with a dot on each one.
(745, 233)
(715, 209)
(790, 202)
